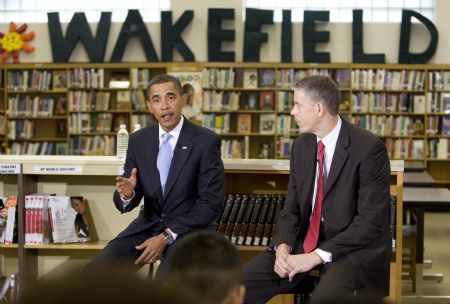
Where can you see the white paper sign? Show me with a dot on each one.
(9, 168)
(58, 169)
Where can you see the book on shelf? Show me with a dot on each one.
(192, 85)
(61, 106)
(446, 80)
(343, 78)
(239, 219)
(37, 225)
(445, 125)
(8, 216)
(267, 123)
(246, 220)
(250, 101)
(119, 81)
(261, 221)
(250, 79)
(446, 103)
(59, 80)
(254, 221)
(267, 78)
(123, 100)
(266, 100)
(419, 104)
(138, 100)
(68, 219)
(244, 123)
(233, 217)
(228, 206)
(268, 225)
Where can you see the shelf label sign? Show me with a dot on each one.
(9, 168)
(58, 169)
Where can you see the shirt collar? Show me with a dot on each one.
(175, 131)
(331, 138)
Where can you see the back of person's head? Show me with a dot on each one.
(104, 285)
(209, 266)
(164, 78)
(320, 88)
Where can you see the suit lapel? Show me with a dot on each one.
(180, 155)
(150, 154)
(309, 173)
(339, 158)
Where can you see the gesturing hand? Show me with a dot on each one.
(153, 249)
(125, 186)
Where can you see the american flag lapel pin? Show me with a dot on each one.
(184, 148)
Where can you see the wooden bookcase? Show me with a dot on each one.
(408, 106)
(94, 180)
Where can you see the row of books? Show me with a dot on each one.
(39, 148)
(89, 100)
(85, 122)
(382, 79)
(383, 102)
(405, 148)
(236, 148)
(56, 219)
(86, 78)
(250, 219)
(438, 125)
(138, 100)
(27, 106)
(140, 78)
(284, 147)
(439, 80)
(438, 103)
(439, 148)
(35, 80)
(8, 219)
(214, 78)
(389, 125)
(288, 77)
(2, 124)
(92, 145)
(143, 119)
(20, 129)
(221, 100)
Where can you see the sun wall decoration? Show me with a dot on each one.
(14, 41)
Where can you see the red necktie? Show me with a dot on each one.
(312, 236)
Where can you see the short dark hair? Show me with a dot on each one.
(207, 264)
(321, 88)
(163, 78)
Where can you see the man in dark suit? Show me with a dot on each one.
(336, 215)
(177, 168)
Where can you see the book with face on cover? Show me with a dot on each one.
(68, 219)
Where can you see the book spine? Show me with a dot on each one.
(225, 214)
(254, 221)
(239, 219)
(233, 216)
(246, 221)
(269, 222)
(261, 221)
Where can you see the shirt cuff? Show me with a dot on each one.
(276, 246)
(125, 202)
(326, 256)
(174, 235)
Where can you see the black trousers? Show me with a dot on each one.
(121, 253)
(337, 281)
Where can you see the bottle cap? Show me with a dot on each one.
(123, 126)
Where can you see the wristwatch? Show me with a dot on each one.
(168, 239)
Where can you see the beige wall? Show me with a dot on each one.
(379, 37)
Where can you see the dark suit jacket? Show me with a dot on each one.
(195, 185)
(355, 206)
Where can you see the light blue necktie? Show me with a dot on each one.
(164, 159)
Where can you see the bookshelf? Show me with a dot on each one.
(248, 104)
(93, 178)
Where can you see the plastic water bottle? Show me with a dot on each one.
(122, 142)
(137, 127)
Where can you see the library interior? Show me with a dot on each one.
(79, 105)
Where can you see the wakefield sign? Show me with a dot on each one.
(78, 30)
